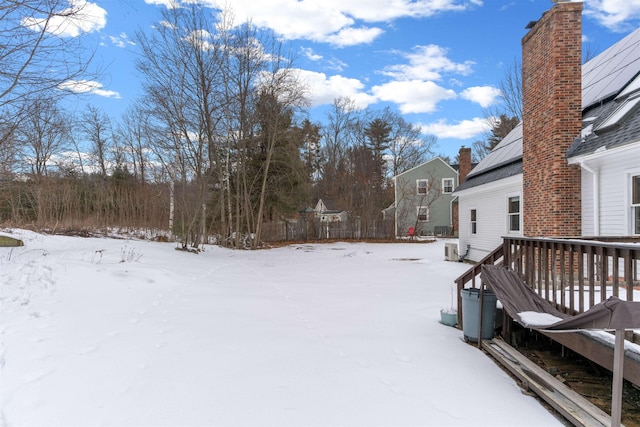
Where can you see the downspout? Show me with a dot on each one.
(453, 199)
(596, 196)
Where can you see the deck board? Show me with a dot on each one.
(574, 407)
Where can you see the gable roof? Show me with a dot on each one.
(328, 206)
(453, 167)
(608, 81)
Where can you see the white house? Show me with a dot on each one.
(605, 155)
(326, 211)
(489, 200)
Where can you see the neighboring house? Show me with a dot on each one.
(326, 211)
(423, 199)
(564, 171)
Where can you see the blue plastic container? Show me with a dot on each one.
(471, 314)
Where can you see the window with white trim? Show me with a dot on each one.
(635, 204)
(423, 213)
(474, 222)
(422, 186)
(447, 185)
(513, 214)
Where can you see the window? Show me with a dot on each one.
(423, 186)
(514, 213)
(447, 185)
(620, 113)
(423, 213)
(635, 203)
(474, 223)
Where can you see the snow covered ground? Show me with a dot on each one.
(108, 332)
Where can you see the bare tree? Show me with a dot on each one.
(96, 126)
(42, 135)
(408, 147)
(35, 54)
(8, 150)
(511, 90)
(182, 64)
(337, 137)
(134, 133)
(479, 149)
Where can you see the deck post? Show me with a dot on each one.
(616, 386)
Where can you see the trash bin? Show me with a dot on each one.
(471, 314)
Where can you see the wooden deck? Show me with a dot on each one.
(574, 407)
(573, 275)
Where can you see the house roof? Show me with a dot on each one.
(608, 73)
(503, 161)
(495, 174)
(609, 81)
(599, 132)
(435, 159)
(328, 206)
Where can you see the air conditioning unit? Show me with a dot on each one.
(451, 252)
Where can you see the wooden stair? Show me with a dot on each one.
(574, 407)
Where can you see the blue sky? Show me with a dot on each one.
(438, 62)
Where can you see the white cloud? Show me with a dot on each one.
(169, 4)
(79, 18)
(121, 41)
(88, 86)
(413, 96)
(310, 54)
(387, 10)
(336, 64)
(427, 63)
(324, 90)
(614, 14)
(485, 96)
(353, 36)
(332, 21)
(465, 129)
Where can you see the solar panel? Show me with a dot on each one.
(602, 77)
(606, 74)
(508, 149)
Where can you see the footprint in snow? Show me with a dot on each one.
(390, 385)
(88, 349)
(38, 375)
(402, 357)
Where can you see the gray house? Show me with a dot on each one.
(423, 199)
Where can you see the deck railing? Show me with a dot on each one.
(572, 274)
(575, 274)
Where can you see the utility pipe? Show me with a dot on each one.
(596, 196)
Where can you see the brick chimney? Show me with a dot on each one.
(552, 119)
(465, 164)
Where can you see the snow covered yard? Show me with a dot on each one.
(131, 333)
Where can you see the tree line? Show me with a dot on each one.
(220, 144)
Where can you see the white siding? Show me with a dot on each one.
(614, 169)
(588, 226)
(490, 202)
(614, 195)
